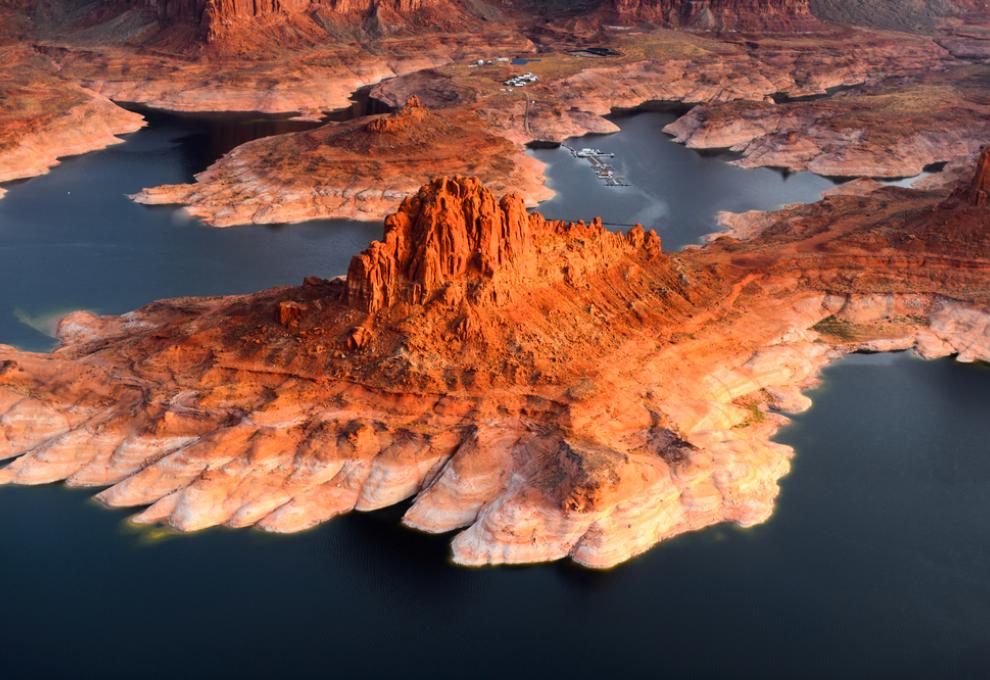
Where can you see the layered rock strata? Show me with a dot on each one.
(243, 26)
(782, 16)
(545, 389)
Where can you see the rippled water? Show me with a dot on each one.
(877, 563)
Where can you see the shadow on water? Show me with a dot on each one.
(362, 104)
(211, 135)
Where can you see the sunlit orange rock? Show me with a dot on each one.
(723, 15)
(545, 389)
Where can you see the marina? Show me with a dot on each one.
(600, 162)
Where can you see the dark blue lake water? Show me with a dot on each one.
(876, 564)
(676, 190)
(73, 240)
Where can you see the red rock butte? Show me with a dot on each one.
(219, 21)
(453, 230)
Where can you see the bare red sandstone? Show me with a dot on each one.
(547, 389)
(723, 15)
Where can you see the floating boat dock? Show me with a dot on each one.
(599, 161)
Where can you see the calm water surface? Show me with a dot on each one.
(73, 240)
(877, 563)
(676, 190)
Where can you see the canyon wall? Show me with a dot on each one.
(217, 20)
(910, 15)
(721, 15)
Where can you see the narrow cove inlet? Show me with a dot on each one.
(475, 339)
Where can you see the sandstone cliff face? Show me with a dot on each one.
(455, 243)
(450, 230)
(219, 20)
(722, 15)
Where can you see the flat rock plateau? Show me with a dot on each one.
(544, 389)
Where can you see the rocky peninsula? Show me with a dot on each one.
(547, 390)
(356, 169)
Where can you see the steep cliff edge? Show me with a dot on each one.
(249, 25)
(547, 389)
(764, 16)
(455, 231)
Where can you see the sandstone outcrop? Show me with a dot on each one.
(358, 169)
(43, 118)
(242, 26)
(893, 128)
(469, 123)
(277, 58)
(546, 389)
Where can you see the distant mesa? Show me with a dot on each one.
(722, 15)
